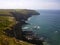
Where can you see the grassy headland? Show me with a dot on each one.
(7, 20)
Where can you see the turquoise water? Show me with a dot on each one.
(49, 22)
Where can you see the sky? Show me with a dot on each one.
(30, 4)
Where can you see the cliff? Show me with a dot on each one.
(11, 22)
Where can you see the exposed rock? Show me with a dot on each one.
(21, 16)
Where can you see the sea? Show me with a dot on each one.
(46, 25)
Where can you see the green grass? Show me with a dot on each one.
(7, 22)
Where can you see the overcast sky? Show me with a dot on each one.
(30, 4)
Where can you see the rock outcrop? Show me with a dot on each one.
(21, 16)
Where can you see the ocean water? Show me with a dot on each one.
(49, 25)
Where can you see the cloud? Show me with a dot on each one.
(29, 4)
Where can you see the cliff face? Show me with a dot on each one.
(19, 16)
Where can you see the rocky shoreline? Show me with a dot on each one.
(17, 32)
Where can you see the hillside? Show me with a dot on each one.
(8, 20)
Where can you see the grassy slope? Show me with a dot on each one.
(5, 40)
(7, 22)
